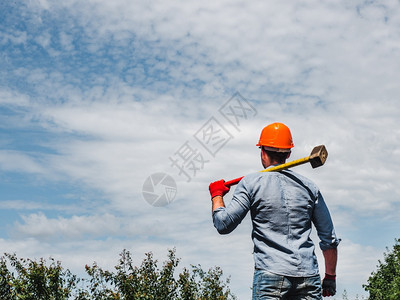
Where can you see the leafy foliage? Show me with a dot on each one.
(34, 280)
(28, 279)
(384, 284)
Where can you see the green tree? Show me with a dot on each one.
(34, 280)
(384, 283)
(25, 279)
(148, 281)
(6, 281)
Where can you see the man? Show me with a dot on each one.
(283, 205)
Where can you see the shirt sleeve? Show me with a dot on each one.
(323, 223)
(226, 219)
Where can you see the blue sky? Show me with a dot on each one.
(96, 96)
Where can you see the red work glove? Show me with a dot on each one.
(218, 188)
(329, 285)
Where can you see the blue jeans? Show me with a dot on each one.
(269, 286)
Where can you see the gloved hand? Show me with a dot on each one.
(329, 285)
(218, 188)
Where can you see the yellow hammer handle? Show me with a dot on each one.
(284, 166)
(288, 165)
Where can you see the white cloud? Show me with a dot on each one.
(17, 161)
(16, 38)
(126, 83)
(41, 227)
(13, 98)
(44, 40)
(32, 205)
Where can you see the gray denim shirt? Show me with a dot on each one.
(283, 207)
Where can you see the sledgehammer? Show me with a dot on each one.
(317, 158)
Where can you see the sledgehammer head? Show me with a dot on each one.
(318, 156)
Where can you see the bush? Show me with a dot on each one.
(28, 279)
(34, 280)
(384, 284)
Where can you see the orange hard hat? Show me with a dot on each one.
(276, 136)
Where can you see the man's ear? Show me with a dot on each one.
(263, 153)
(288, 155)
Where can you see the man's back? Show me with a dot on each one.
(283, 206)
